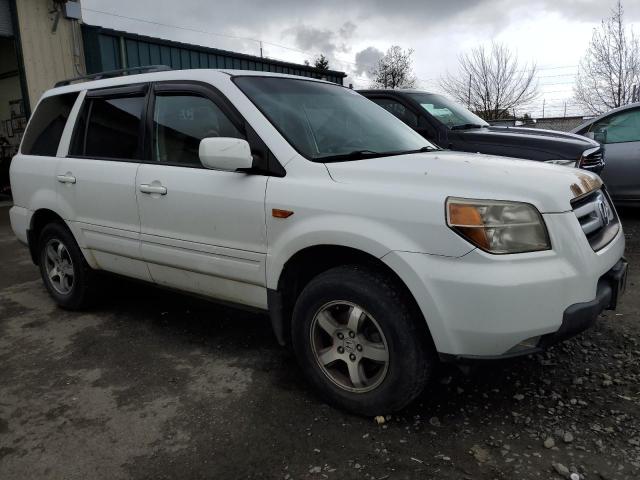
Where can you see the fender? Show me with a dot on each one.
(354, 232)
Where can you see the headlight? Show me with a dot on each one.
(564, 163)
(498, 227)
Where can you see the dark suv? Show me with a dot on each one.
(450, 125)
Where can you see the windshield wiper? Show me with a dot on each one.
(355, 155)
(362, 154)
(427, 148)
(466, 126)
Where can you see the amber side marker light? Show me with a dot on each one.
(277, 213)
(467, 219)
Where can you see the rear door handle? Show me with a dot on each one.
(66, 178)
(158, 189)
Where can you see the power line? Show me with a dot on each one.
(208, 32)
(151, 22)
(294, 49)
(205, 32)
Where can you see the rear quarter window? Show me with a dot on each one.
(47, 124)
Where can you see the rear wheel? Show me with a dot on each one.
(64, 271)
(360, 342)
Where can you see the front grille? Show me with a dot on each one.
(597, 217)
(592, 159)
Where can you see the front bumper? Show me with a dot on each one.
(495, 306)
(576, 318)
(580, 316)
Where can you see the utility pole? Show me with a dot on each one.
(565, 109)
(261, 49)
(543, 100)
(469, 96)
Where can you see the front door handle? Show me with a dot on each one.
(157, 189)
(66, 178)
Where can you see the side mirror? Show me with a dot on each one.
(600, 136)
(225, 153)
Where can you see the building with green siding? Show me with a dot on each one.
(45, 42)
(107, 49)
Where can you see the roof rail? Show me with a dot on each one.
(114, 73)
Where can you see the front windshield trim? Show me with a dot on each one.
(320, 159)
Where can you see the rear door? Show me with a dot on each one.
(202, 230)
(96, 179)
(620, 134)
(34, 169)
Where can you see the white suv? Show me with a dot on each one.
(374, 253)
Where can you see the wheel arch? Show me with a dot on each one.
(311, 261)
(40, 219)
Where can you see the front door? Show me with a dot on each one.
(96, 180)
(201, 230)
(620, 134)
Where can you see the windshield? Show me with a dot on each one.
(450, 113)
(326, 122)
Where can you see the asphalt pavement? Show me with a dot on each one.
(152, 384)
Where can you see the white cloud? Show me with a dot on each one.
(551, 33)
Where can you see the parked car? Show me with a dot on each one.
(452, 126)
(374, 253)
(619, 132)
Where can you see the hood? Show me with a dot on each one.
(442, 174)
(555, 145)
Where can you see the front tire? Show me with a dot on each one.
(64, 271)
(360, 341)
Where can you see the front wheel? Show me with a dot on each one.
(360, 342)
(64, 271)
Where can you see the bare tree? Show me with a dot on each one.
(394, 69)
(321, 62)
(611, 66)
(491, 82)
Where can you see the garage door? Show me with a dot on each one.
(6, 29)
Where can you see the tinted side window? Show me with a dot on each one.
(399, 110)
(619, 128)
(109, 128)
(181, 121)
(45, 128)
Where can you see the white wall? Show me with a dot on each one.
(48, 56)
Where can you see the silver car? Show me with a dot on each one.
(619, 132)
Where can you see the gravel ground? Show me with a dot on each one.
(158, 385)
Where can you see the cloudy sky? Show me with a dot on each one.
(352, 34)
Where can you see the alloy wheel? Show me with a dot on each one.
(59, 266)
(349, 346)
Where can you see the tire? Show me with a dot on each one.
(64, 271)
(388, 323)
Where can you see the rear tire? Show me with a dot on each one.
(360, 341)
(64, 271)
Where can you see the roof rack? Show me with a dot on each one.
(114, 73)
